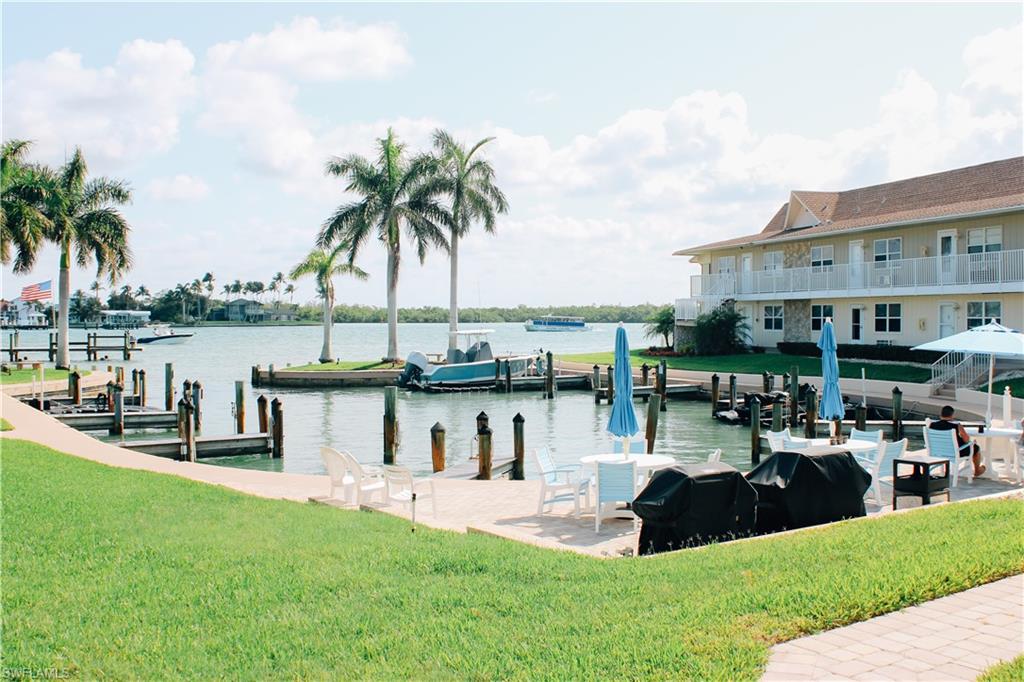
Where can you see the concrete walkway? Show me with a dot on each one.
(952, 638)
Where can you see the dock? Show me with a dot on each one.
(470, 470)
(645, 392)
(205, 446)
(104, 421)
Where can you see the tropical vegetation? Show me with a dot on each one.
(123, 585)
(323, 266)
(662, 325)
(723, 331)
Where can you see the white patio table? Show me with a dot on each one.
(1003, 436)
(851, 444)
(645, 464)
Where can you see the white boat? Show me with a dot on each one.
(556, 323)
(474, 366)
(164, 335)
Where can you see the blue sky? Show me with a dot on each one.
(624, 132)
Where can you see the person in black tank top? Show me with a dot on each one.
(967, 447)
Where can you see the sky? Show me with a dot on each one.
(622, 132)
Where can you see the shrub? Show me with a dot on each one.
(863, 352)
(661, 324)
(722, 331)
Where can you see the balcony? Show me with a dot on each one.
(965, 273)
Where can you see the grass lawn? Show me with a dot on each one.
(1016, 387)
(1011, 671)
(754, 363)
(5, 425)
(106, 576)
(340, 366)
(25, 376)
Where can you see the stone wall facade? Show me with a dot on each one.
(796, 320)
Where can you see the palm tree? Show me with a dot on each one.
(237, 287)
(324, 265)
(397, 194)
(85, 221)
(469, 184)
(662, 324)
(197, 290)
(23, 223)
(142, 293)
(95, 287)
(290, 290)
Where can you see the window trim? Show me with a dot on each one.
(997, 229)
(889, 318)
(781, 258)
(985, 317)
(779, 319)
(823, 262)
(888, 253)
(822, 317)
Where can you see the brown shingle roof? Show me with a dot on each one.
(985, 187)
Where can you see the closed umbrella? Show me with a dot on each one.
(622, 422)
(831, 405)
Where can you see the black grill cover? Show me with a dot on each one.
(819, 484)
(694, 504)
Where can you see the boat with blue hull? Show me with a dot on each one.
(557, 323)
(469, 368)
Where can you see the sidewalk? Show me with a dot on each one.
(952, 638)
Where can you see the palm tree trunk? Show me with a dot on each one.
(327, 353)
(453, 293)
(63, 360)
(392, 355)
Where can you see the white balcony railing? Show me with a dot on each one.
(997, 267)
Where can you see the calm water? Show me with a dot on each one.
(571, 425)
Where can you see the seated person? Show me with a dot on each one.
(967, 447)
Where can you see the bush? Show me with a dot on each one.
(855, 351)
(720, 332)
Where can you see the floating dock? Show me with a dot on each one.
(206, 446)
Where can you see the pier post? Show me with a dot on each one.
(169, 386)
(776, 416)
(110, 395)
(188, 434)
(518, 448)
(860, 417)
(508, 376)
(897, 414)
(715, 379)
(53, 348)
(732, 391)
(811, 418)
(75, 387)
(497, 373)
(117, 426)
(277, 428)
(755, 430)
(11, 346)
(197, 396)
(611, 384)
(549, 376)
(135, 382)
(485, 455)
(239, 407)
(437, 447)
(262, 415)
(254, 377)
(186, 389)
(127, 346)
(663, 370)
(142, 387)
(794, 395)
(482, 420)
(651, 432)
(390, 423)
(645, 374)
(596, 380)
(766, 385)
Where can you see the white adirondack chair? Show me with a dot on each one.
(871, 462)
(400, 486)
(944, 444)
(777, 440)
(616, 482)
(559, 483)
(357, 484)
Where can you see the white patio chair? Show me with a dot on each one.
(945, 445)
(559, 483)
(400, 486)
(871, 436)
(777, 440)
(871, 462)
(715, 456)
(616, 482)
(356, 483)
(636, 447)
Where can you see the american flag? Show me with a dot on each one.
(37, 292)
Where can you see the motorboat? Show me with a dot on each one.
(164, 335)
(472, 367)
(556, 323)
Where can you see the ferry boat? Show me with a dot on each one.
(164, 335)
(472, 367)
(556, 323)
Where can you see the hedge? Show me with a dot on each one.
(863, 352)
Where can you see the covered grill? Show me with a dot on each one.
(694, 504)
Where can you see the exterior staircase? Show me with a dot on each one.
(958, 370)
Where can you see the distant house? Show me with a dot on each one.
(124, 319)
(19, 313)
(281, 312)
(243, 310)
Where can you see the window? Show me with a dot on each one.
(773, 317)
(983, 312)
(985, 240)
(855, 324)
(726, 264)
(887, 317)
(773, 260)
(888, 249)
(818, 315)
(822, 257)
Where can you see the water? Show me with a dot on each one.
(351, 419)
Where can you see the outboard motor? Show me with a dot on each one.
(415, 365)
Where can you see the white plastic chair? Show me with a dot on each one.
(358, 485)
(715, 456)
(401, 485)
(777, 440)
(870, 436)
(559, 483)
(871, 462)
(636, 447)
(945, 445)
(616, 482)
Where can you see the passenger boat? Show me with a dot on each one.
(472, 367)
(164, 335)
(556, 323)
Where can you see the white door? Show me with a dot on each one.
(748, 319)
(946, 249)
(857, 264)
(947, 320)
(747, 273)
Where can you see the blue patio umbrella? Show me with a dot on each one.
(622, 422)
(831, 405)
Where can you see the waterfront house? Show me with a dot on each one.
(900, 263)
(124, 319)
(243, 310)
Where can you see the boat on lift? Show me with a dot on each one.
(472, 367)
(165, 336)
(557, 323)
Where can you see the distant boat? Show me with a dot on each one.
(556, 323)
(163, 334)
(474, 366)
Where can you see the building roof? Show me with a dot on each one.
(988, 187)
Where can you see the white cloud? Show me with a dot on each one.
(117, 113)
(994, 61)
(178, 188)
(541, 96)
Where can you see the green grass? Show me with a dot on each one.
(340, 366)
(1016, 387)
(119, 573)
(1011, 671)
(755, 363)
(5, 425)
(24, 376)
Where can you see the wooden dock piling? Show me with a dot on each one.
(645, 374)
(897, 414)
(776, 416)
(663, 384)
(732, 391)
(766, 385)
(188, 434)
(135, 382)
(794, 396)
(197, 396)
(117, 427)
(811, 413)
(611, 384)
(715, 380)
(508, 376)
(239, 407)
(169, 386)
(518, 448)
(127, 352)
(651, 432)
(277, 428)
(596, 378)
(75, 386)
(437, 447)
(860, 417)
(485, 454)
(263, 414)
(142, 387)
(497, 373)
(549, 376)
(755, 430)
(390, 423)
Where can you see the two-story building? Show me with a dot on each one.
(894, 264)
